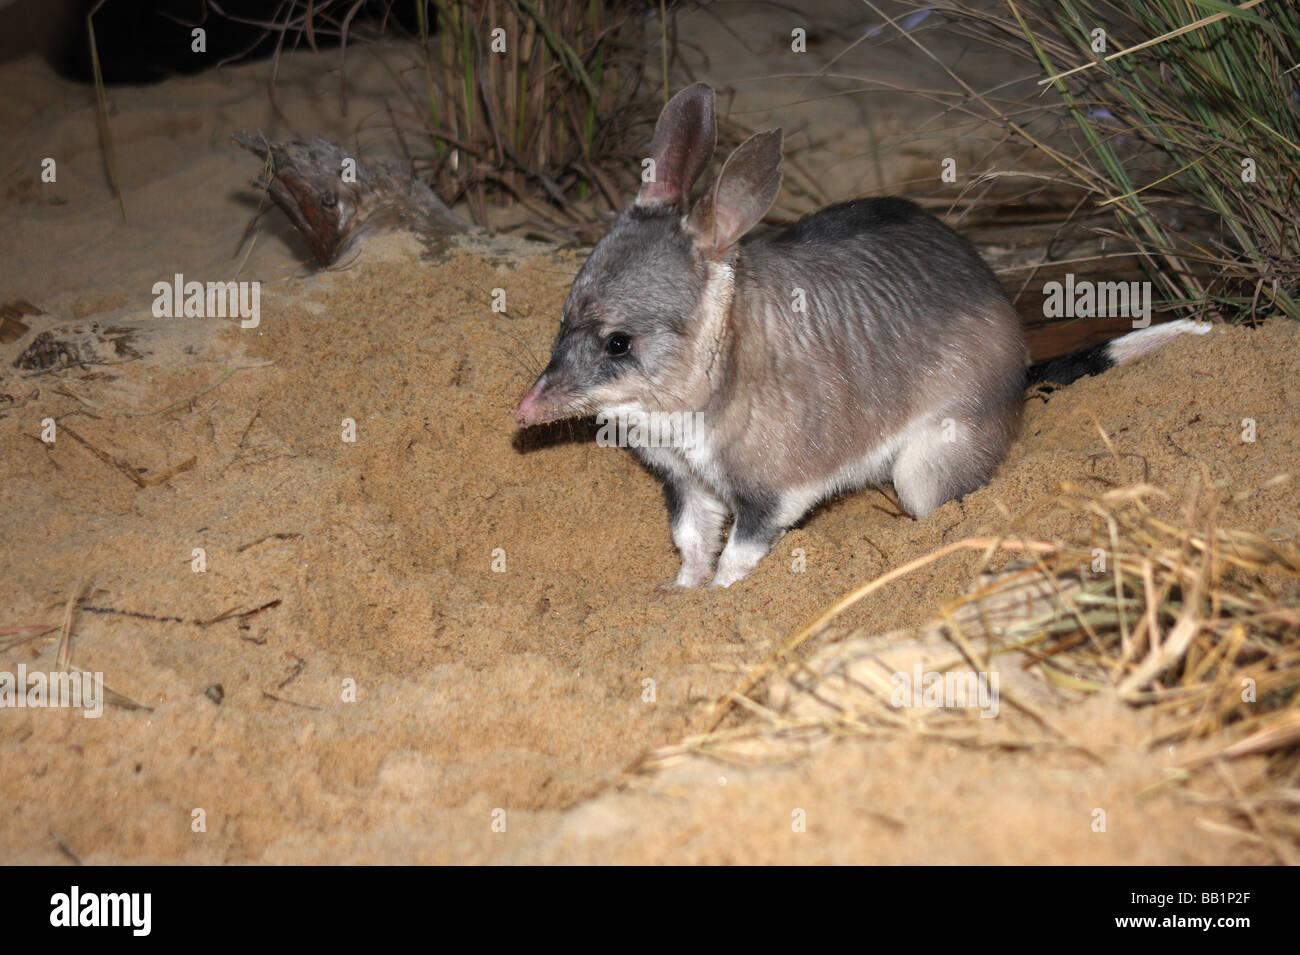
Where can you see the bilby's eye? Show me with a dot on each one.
(618, 344)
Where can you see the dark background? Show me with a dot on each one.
(146, 41)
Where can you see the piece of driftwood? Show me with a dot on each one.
(12, 326)
(80, 345)
(335, 199)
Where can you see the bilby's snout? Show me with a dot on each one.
(531, 409)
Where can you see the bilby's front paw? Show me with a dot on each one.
(725, 577)
(692, 575)
(738, 558)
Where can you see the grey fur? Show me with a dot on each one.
(907, 364)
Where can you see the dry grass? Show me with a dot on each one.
(1160, 606)
(504, 102)
(1189, 115)
(547, 105)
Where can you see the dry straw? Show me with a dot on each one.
(1195, 622)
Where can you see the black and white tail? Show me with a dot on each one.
(1097, 358)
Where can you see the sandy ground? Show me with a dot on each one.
(496, 715)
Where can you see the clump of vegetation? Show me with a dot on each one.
(527, 98)
(536, 102)
(1190, 619)
(1187, 115)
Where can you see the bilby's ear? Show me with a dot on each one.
(683, 146)
(745, 190)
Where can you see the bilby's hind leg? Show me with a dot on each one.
(697, 517)
(947, 457)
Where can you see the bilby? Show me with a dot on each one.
(867, 343)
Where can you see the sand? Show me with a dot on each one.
(356, 676)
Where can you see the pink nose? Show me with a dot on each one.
(527, 412)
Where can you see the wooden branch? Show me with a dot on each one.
(305, 179)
